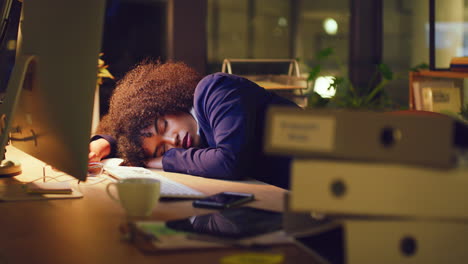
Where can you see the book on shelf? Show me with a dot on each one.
(441, 99)
(459, 64)
(410, 139)
(378, 189)
(417, 96)
(422, 103)
(438, 95)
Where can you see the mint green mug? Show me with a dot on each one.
(137, 196)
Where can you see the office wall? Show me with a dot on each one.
(186, 32)
(247, 29)
(133, 31)
(398, 32)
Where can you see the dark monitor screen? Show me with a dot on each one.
(9, 19)
(5, 8)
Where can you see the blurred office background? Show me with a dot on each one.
(202, 33)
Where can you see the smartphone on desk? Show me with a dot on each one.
(224, 200)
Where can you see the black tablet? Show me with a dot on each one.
(235, 223)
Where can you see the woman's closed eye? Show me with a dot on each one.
(160, 150)
(160, 126)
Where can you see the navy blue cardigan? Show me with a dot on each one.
(231, 117)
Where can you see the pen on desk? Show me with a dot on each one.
(106, 174)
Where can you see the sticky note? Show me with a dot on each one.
(253, 258)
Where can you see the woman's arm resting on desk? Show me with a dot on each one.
(155, 163)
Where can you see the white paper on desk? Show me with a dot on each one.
(17, 192)
(112, 162)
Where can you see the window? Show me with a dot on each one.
(275, 29)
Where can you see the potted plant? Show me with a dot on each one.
(102, 73)
(372, 97)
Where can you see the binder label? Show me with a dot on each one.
(315, 133)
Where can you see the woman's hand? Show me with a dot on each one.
(155, 163)
(98, 149)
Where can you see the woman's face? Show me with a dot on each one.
(170, 131)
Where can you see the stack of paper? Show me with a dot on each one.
(459, 64)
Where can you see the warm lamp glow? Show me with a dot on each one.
(322, 84)
(282, 22)
(331, 26)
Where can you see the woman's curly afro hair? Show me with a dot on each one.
(151, 89)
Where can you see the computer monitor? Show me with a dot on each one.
(47, 110)
(5, 8)
(9, 17)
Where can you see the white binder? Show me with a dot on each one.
(361, 241)
(379, 189)
(393, 138)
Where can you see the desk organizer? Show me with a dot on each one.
(292, 80)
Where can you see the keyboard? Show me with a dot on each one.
(169, 188)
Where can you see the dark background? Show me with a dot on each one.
(132, 31)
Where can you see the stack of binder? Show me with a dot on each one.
(394, 188)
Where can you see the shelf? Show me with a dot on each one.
(277, 86)
(440, 74)
(427, 74)
(278, 82)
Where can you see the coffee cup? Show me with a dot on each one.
(137, 196)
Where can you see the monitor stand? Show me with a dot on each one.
(9, 168)
(7, 109)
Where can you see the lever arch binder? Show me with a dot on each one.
(358, 241)
(371, 136)
(368, 239)
(379, 189)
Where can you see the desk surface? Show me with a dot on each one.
(86, 230)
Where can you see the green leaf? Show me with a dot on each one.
(314, 72)
(104, 73)
(385, 70)
(420, 66)
(100, 63)
(337, 81)
(370, 97)
(324, 53)
(316, 100)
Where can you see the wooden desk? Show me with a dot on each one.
(86, 230)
